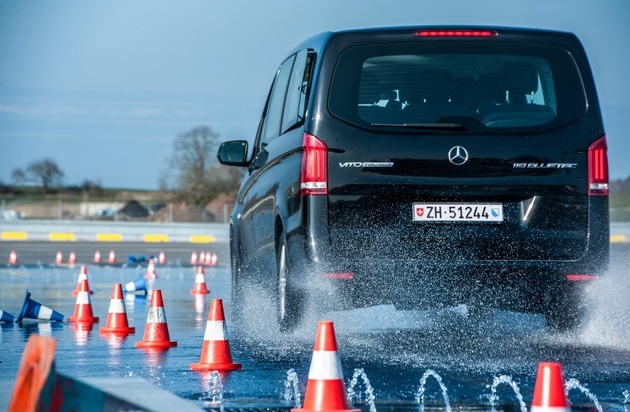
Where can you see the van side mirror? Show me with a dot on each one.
(233, 153)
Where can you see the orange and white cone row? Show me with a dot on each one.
(82, 277)
(162, 258)
(549, 393)
(117, 314)
(13, 259)
(215, 352)
(111, 259)
(200, 287)
(58, 258)
(193, 258)
(97, 257)
(83, 308)
(156, 330)
(151, 273)
(325, 389)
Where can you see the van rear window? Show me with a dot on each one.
(469, 86)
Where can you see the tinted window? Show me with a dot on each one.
(481, 86)
(273, 115)
(294, 106)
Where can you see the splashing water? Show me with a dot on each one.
(291, 391)
(423, 381)
(215, 394)
(626, 395)
(575, 384)
(508, 381)
(369, 390)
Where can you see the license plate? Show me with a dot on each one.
(457, 212)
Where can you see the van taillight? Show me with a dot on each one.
(314, 177)
(598, 168)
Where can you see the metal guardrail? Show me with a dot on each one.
(620, 232)
(90, 231)
(69, 230)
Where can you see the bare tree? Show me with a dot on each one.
(47, 172)
(18, 176)
(194, 161)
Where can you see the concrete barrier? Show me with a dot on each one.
(90, 231)
(620, 232)
(70, 231)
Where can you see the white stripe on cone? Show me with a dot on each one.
(44, 313)
(83, 298)
(130, 287)
(215, 330)
(156, 315)
(549, 409)
(325, 365)
(117, 306)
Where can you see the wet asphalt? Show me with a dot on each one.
(393, 348)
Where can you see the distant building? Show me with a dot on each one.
(133, 210)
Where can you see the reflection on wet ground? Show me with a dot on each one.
(394, 350)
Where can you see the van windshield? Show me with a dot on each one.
(460, 86)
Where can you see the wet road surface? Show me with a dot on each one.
(393, 348)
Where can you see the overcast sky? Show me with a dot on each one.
(104, 87)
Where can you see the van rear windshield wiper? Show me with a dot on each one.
(438, 126)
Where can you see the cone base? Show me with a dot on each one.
(327, 410)
(216, 366)
(150, 276)
(149, 344)
(118, 330)
(199, 292)
(83, 320)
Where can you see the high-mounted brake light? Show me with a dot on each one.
(314, 177)
(598, 168)
(455, 33)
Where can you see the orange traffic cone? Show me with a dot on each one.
(325, 390)
(202, 258)
(82, 276)
(13, 259)
(72, 258)
(58, 258)
(200, 283)
(215, 259)
(162, 258)
(111, 259)
(83, 308)
(151, 273)
(156, 329)
(208, 259)
(117, 314)
(193, 258)
(549, 394)
(97, 257)
(36, 378)
(215, 352)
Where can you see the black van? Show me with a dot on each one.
(423, 167)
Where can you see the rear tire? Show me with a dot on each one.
(238, 293)
(565, 309)
(288, 303)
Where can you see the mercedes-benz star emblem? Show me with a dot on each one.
(458, 155)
